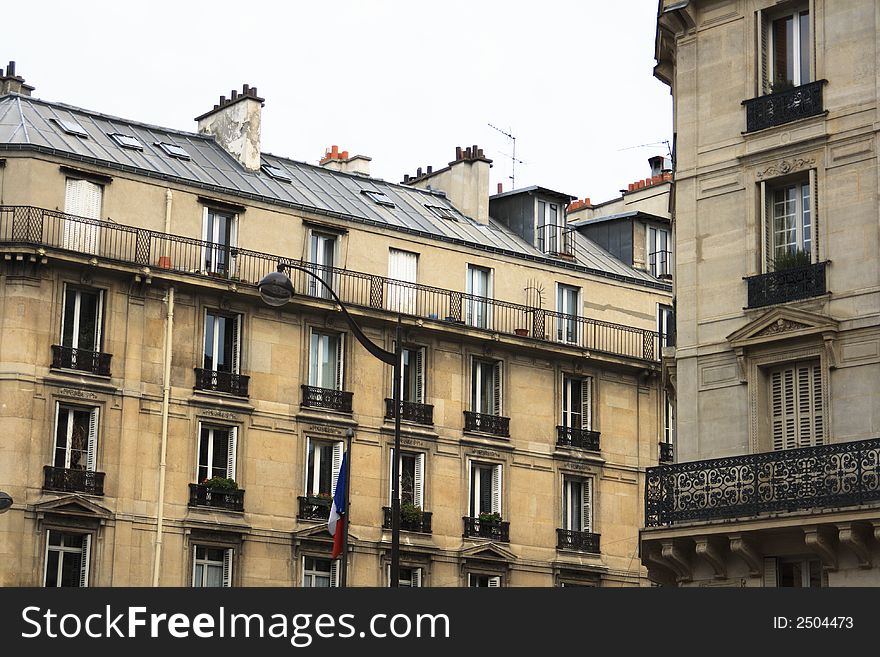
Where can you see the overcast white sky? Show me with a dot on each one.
(402, 82)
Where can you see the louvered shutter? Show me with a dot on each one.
(783, 408)
(391, 477)
(766, 229)
(418, 481)
(496, 384)
(587, 403)
(814, 215)
(474, 505)
(99, 321)
(761, 40)
(207, 237)
(84, 561)
(340, 357)
(770, 572)
(496, 489)
(91, 457)
(231, 447)
(804, 403)
(420, 376)
(236, 344)
(233, 243)
(416, 577)
(72, 205)
(335, 465)
(194, 552)
(494, 582)
(91, 209)
(227, 567)
(334, 571)
(818, 407)
(587, 506)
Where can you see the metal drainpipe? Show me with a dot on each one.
(167, 249)
(166, 393)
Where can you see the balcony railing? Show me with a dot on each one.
(666, 453)
(73, 481)
(784, 106)
(567, 539)
(228, 500)
(497, 530)
(494, 424)
(81, 359)
(555, 239)
(786, 285)
(660, 263)
(229, 382)
(313, 507)
(335, 400)
(112, 242)
(421, 524)
(823, 477)
(412, 412)
(580, 438)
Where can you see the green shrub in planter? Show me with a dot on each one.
(490, 517)
(410, 513)
(791, 260)
(220, 483)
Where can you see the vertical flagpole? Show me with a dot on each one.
(349, 434)
(395, 466)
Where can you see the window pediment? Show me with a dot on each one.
(782, 324)
(73, 506)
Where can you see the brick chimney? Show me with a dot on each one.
(10, 83)
(337, 160)
(235, 125)
(465, 181)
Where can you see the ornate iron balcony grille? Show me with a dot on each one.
(422, 524)
(335, 400)
(786, 285)
(73, 481)
(229, 382)
(567, 539)
(81, 359)
(412, 411)
(823, 477)
(666, 453)
(229, 500)
(314, 508)
(784, 106)
(497, 530)
(494, 424)
(580, 438)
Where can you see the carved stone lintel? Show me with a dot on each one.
(676, 559)
(857, 537)
(711, 550)
(822, 540)
(785, 167)
(745, 549)
(781, 326)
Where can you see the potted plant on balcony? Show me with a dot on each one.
(791, 260)
(220, 484)
(490, 518)
(410, 514)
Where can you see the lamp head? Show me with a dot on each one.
(5, 501)
(275, 288)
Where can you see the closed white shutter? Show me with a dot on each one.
(194, 581)
(814, 215)
(227, 567)
(340, 357)
(496, 383)
(206, 238)
(73, 193)
(91, 457)
(587, 403)
(233, 243)
(402, 266)
(231, 447)
(763, 85)
(334, 571)
(770, 572)
(84, 561)
(766, 229)
(818, 407)
(587, 506)
(82, 199)
(420, 375)
(494, 582)
(418, 483)
(335, 465)
(416, 578)
(796, 407)
(236, 344)
(496, 489)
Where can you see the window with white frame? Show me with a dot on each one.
(568, 303)
(82, 199)
(479, 288)
(219, 232)
(217, 452)
(789, 222)
(403, 272)
(212, 566)
(411, 483)
(486, 387)
(485, 488)
(577, 504)
(665, 325)
(786, 49)
(322, 257)
(76, 437)
(326, 360)
(793, 573)
(481, 580)
(668, 419)
(797, 416)
(323, 461)
(82, 319)
(659, 251)
(67, 559)
(412, 375)
(577, 402)
(222, 351)
(320, 573)
(410, 577)
(550, 227)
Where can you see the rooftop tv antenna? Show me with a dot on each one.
(513, 159)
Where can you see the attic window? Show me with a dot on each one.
(378, 197)
(173, 150)
(127, 141)
(441, 212)
(72, 127)
(276, 172)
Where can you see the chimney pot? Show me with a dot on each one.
(406, 177)
(10, 70)
(419, 172)
(344, 155)
(458, 152)
(244, 89)
(334, 152)
(587, 201)
(500, 187)
(234, 94)
(254, 92)
(430, 169)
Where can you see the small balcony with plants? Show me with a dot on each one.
(412, 518)
(231, 383)
(487, 525)
(217, 493)
(314, 507)
(793, 277)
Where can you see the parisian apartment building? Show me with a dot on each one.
(775, 370)
(163, 426)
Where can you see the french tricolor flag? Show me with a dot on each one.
(336, 521)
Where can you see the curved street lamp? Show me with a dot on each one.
(5, 501)
(276, 289)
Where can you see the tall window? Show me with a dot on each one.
(659, 251)
(551, 224)
(411, 469)
(217, 452)
(479, 287)
(567, 303)
(478, 580)
(319, 573)
(219, 233)
(212, 566)
(222, 342)
(789, 219)
(67, 559)
(577, 504)
(325, 360)
(668, 419)
(485, 488)
(81, 318)
(322, 252)
(76, 437)
(486, 387)
(322, 466)
(577, 402)
(82, 199)
(797, 417)
(412, 376)
(403, 267)
(665, 325)
(790, 48)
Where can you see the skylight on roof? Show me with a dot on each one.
(127, 141)
(173, 150)
(276, 172)
(440, 211)
(71, 127)
(378, 197)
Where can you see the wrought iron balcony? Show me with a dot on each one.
(786, 285)
(784, 106)
(494, 424)
(412, 412)
(422, 524)
(567, 539)
(183, 256)
(580, 438)
(216, 498)
(497, 530)
(335, 400)
(82, 360)
(666, 453)
(823, 477)
(73, 481)
(312, 507)
(229, 382)
(555, 239)
(660, 263)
